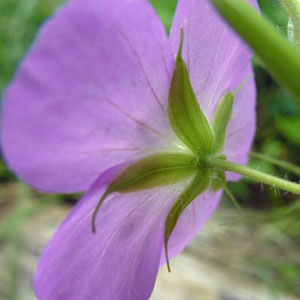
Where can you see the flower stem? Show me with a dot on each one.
(278, 55)
(292, 8)
(280, 163)
(254, 174)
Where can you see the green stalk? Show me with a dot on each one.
(280, 163)
(278, 55)
(292, 8)
(254, 174)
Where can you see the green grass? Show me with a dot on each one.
(19, 21)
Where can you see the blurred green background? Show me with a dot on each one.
(278, 124)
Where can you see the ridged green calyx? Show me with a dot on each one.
(221, 120)
(191, 126)
(186, 117)
(198, 185)
(203, 141)
(150, 172)
(218, 179)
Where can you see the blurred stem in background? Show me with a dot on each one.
(277, 162)
(278, 55)
(293, 10)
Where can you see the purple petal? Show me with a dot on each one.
(91, 93)
(120, 261)
(191, 221)
(218, 61)
(241, 129)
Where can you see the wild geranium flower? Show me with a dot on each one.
(106, 103)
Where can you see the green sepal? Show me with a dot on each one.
(198, 185)
(231, 197)
(218, 179)
(186, 117)
(150, 172)
(221, 120)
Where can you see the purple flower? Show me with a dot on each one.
(92, 96)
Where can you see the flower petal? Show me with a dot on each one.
(217, 61)
(92, 92)
(120, 261)
(241, 128)
(190, 222)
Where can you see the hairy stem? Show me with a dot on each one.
(254, 174)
